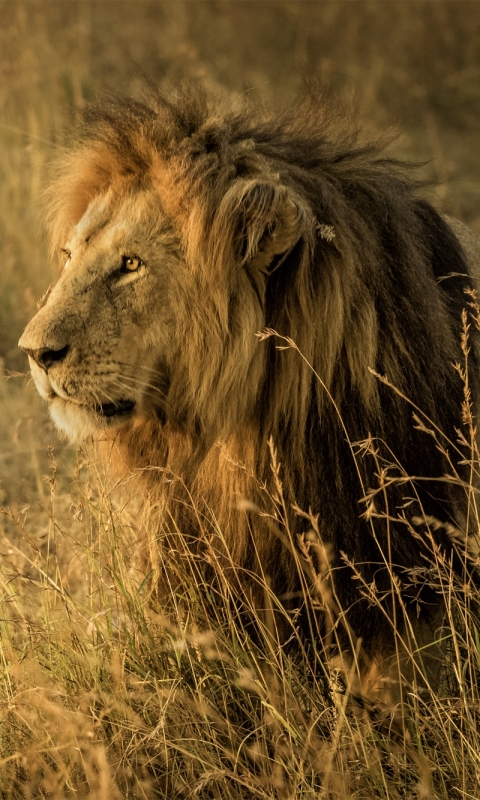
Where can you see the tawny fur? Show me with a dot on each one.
(285, 223)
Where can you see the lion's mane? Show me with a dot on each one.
(344, 259)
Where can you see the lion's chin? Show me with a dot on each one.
(79, 422)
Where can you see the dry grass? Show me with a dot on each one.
(102, 695)
(105, 694)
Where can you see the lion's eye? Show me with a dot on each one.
(66, 253)
(131, 263)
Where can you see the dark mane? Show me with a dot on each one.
(357, 289)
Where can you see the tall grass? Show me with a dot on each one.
(105, 693)
(108, 692)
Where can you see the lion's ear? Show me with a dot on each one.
(263, 221)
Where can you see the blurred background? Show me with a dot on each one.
(409, 66)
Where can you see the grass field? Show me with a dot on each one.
(102, 695)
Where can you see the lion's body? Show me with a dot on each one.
(231, 227)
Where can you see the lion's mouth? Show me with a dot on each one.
(118, 408)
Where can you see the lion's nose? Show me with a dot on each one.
(45, 357)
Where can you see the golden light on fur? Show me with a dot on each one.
(245, 224)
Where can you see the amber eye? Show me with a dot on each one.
(131, 263)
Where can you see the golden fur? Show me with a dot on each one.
(239, 224)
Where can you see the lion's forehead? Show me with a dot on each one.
(97, 215)
(120, 223)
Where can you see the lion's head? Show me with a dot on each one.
(163, 278)
(182, 234)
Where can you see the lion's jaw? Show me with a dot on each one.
(91, 355)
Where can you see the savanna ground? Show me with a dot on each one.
(102, 696)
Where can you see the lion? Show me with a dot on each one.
(183, 233)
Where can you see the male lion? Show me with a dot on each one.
(183, 233)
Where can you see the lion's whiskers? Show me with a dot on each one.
(152, 392)
(151, 370)
(125, 383)
(145, 384)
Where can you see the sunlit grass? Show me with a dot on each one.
(107, 693)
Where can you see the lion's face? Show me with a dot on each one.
(163, 288)
(100, 349)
